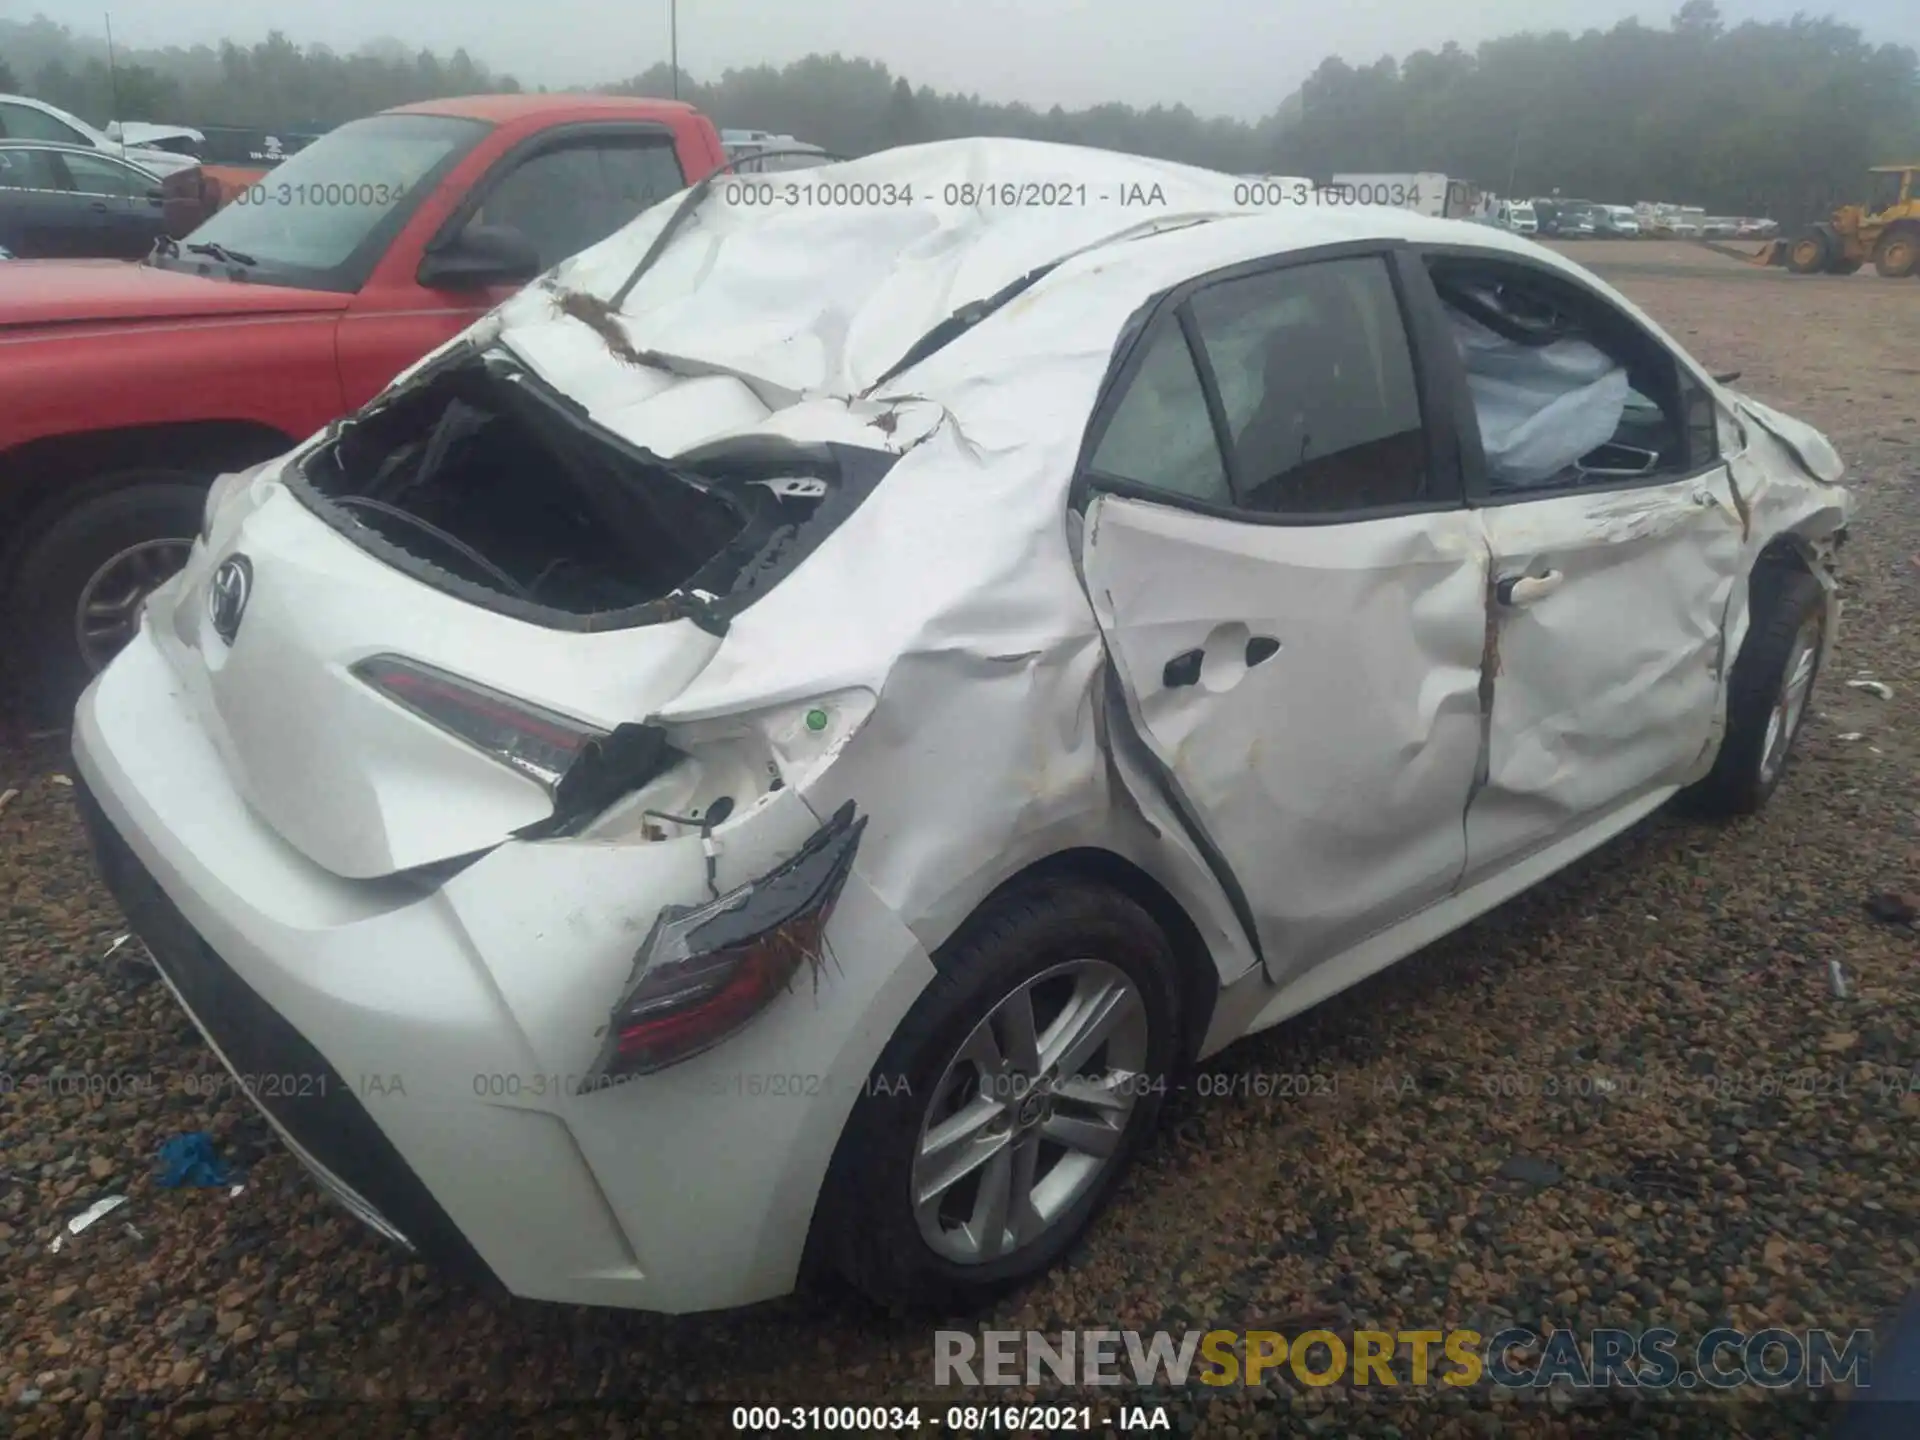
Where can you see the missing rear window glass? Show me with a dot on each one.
(479, 479)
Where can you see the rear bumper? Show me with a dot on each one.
(307, 1101)
(420, 1046)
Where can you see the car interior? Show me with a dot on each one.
(1566, 389)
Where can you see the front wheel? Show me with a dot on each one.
(77, 591)
(1810, 254)
(1767, 693)
(1010, 1102)
(1898, 254)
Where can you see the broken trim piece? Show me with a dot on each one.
(1121, 718)
(706, 971)
(608, 768)
(1756, 413)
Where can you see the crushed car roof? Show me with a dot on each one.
(822, 285)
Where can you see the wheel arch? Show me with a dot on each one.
(45, 477)
(1197, 975)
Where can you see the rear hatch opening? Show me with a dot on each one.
(482, 480)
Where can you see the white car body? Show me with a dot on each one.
(971, 659)
(1625, 221)
(1519, 217)
(143, 133)
(59, 125)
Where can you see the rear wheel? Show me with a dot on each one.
(1768, 692)
(1810, 254)
(1898, 254)
(76, 593)
(1010, 1102)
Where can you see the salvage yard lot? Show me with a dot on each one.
(1748, 1160)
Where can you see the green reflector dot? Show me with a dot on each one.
(816, 720)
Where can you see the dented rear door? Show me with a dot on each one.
(1312, 697)
(1290, 590)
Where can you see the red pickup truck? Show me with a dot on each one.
(126, 388)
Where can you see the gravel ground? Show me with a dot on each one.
(1687, 965)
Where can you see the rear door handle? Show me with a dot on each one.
(1183, 669)
(99, 205)
(1519, 591)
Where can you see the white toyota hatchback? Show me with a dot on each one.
(780, 743)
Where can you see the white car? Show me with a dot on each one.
(24, 118)
(175, 139)
(786, 738)
(1519, 217)
(1621, 220)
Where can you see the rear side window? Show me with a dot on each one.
(1317, 387)
(25, 169)
(1161, 435)
(96, 175)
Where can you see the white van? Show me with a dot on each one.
(1518, 216)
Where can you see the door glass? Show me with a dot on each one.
(639, 177)
(1317, 383)
(1160, 434)
(568, 199)
(23, 122)
(94, 175)
(28, 170)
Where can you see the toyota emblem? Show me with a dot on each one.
(227, 595)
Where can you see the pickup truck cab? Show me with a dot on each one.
(128, 388)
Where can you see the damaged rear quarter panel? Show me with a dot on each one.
(951, 594)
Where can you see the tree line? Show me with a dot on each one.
(275, 84)
(1773, 119)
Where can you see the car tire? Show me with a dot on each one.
(145, 521)
(1788, 609)
(1030, 940)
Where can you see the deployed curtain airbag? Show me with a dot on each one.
(1540, 407)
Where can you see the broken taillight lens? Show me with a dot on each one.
(538, 743)
(706, 970)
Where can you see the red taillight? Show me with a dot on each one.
(539, 743)
(706, 970)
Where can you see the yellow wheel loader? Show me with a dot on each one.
(1885, 230)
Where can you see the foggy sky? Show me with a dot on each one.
(1219, 57)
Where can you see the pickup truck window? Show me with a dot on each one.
(321, 219)
(577, 194)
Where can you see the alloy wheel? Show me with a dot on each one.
(1030, 1111)
(1790, 704)
(108, 611)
